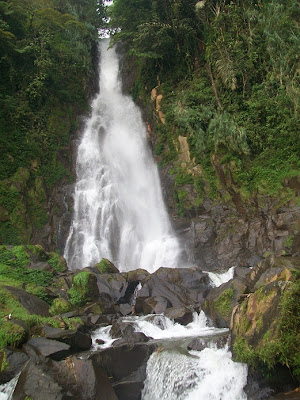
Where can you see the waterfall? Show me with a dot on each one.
(209, 374)
(173, 373)
(119, 212)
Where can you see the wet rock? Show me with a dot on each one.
(221, 301)
(135, 337)
(263, 321)
(99, 319)
(181, 315)
(15, 361)
(197, 344)
(105, 267)
(126, 365)
(61, 335)
(121, 329)
(137, 275)
(35, 383)
(176, 294)
(77, 340)
(69, 379)
(69, 314)
(113, 284)
(200, 343)
(31, 303)
(125, 309)
(189, 278)
(48, 348)
(156, 305)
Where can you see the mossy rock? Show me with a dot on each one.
(223, 304)
(106, 267)
(57, 262)
(60, 306)
(266, 328)
(221, 301)
(12, 334)
(84, 288)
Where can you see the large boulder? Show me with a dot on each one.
(156, 305)
(77, 340)
(221, 300)
(35, 382)
(265, 325)
(12, 362)
(200, 343)
(126, 365)
(181, 315)
(175, 294)
(72, 378)
(48, 348)
(31, 303)
(105, 267)
(113, 284)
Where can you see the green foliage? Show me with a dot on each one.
(11, 334)
(289, 241)
(60, 306)
(79, 293)
(223, 304)
(238, 95)
(224, 133)
(57, 262)
(26, 275)
(106, 267)
(3, 363)
(43, 46)
(282, 345)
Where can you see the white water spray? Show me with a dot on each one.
(217, 279)
(6, 390)
(119, 211)
(175, 374)
(209, 374)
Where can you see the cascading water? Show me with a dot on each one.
(173, 373)
(119, 211)
(119, 214)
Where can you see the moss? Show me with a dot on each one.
(79, 292)
(11, 334)
(279, 346)
(38, 252)
(106, 267)
(21, 255)
(26, 275)
(39, 292)
(223, 304)
(243, 352)
(57, 262)
(3, 362)
(289, 241)
(60, 306)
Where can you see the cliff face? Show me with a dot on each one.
(233, 230)
(229, 227)
(223, 117)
